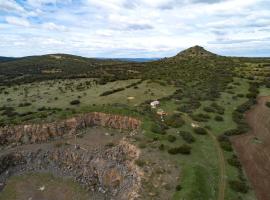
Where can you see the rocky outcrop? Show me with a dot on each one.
(36, 133)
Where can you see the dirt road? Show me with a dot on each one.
(221, 160)
(253, 148)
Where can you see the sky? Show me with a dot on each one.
(134, 28)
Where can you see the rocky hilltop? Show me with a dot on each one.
(196, 51)
(37, 133)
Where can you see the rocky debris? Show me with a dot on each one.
(37, 133)
(109, 171)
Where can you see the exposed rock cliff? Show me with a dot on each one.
(36, 133)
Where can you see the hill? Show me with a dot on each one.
(6, 59)
(196, 51)
(55, 66)
(206, 71)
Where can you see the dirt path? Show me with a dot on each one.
(221, 160)
(253, 148)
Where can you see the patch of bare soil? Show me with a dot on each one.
(253, 148)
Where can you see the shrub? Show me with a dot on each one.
(112, 91)
(9, 111)
(174, 121)
(184, 149)
(187, 136)
(225, 143)
(178, 188)
(239, 186)
(209, 109)
(156, 128)
(201, 117)
(171, 138)
(233, 161)
(24, 104)
(75, 102)
(161, 147)
(200, 131)
(219, 118)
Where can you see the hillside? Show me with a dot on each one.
(29, 69)
(6, 59)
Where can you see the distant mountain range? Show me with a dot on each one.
(192, 62)
(6, 59)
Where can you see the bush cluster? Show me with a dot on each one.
(239, 186)
(171, 138)
(225, 143)
(107, 93)
(187, 136)
(175, 121)
(184, 149)
(24, 104)
(158, 128)
(200, 131)
(200, 117)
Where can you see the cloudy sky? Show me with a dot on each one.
(134, 28)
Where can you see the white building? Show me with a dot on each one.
(154, 104)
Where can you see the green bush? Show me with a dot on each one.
(219, 118)
(225, 143)
(171, 138)
(178, 188)
(24, 104)
(233, 161)
(239, 186)
(175, 121)
(201, 117)
(156, 128)
(184, 149)
(187, 136)
(209, 109)
(200, 131)
(75, 102)
(161, 147)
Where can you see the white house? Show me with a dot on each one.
(154, 104)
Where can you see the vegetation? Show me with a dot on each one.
(200, 131)
(215, 91)
(187, 136)
(184, 149)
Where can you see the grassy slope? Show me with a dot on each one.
(43, 95)
(203, 155)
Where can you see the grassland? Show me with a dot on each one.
(52, 98)
(209, 91)
(29, 186)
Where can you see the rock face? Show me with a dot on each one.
(110, 172)
(36, 133)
